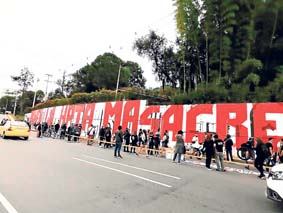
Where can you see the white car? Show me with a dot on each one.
(274, 189)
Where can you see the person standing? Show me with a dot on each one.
(179, 148)
(280, 150)
(150, 143)
(57, 127)
(228, 147)
(143, 143)
(209, 149)
(218, 146)
(260, 156)
(272, 154)
(76, 133)
(195, 145)
(108, 136)
(118, 142)
(165, 139)
(90, 135)
(39, 130)
(157, 142)
(127, 136)
(101, 136)
(134, 142)
(164, 143)
(70, 132)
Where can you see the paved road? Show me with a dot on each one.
(47, 175)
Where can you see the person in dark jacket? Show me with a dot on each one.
(228, 147)
(179, 148)
(39, 130)
(259, 157)
(157, 142)
(150, 143)
(209, 149)
(127, 136)
(134, 142)
(280, 150)
(118, 142)
(101, 135)
(108, 136)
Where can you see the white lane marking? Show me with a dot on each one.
(134, 167)
(126, 173)
(7, 205)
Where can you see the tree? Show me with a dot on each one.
(163, 57)
(57, 94)
(269, 37)
(188, 25)
(24, 80)
(102, 73)
(136, 79)
(7, 103)
(220, 19)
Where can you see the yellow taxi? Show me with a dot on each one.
(15, 129)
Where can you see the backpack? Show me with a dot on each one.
(265, 151)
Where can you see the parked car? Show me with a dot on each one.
(274, 189)
(15, 129)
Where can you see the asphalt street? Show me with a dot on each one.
(45, 175)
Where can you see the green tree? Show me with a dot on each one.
(57, 94)
(24, 80)
(188, 13)
(7, 103)
(220, 17)
(102, 73)
(163, 57)
(136, 79)
(269, 37)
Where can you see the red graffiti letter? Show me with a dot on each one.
(223, 120)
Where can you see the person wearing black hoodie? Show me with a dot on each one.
(260, 156)
(218, 146)
(209, 149)
(228, 147)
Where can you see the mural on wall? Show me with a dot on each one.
(241, 120)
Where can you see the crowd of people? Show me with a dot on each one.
(153, 143)
(137, 142)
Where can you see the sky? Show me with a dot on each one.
(50, 36)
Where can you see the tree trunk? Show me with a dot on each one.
(206, 56)
(271, 38)
(220, 52)
(22, 100)
(199, 65)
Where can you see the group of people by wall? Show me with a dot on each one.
(153, 143)
(137, 142)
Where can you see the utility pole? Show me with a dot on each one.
(118, 79)
(63, 82)
(47, 81)
(34, 97)
(15, 106)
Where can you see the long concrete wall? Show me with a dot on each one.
(241, 120)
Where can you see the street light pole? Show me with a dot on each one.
(15, 106)
(34, 97)
(47, 81)
(118, 79)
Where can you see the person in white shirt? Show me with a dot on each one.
(195, 144)
(90, 135)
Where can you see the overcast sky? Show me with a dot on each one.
(49, 36)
